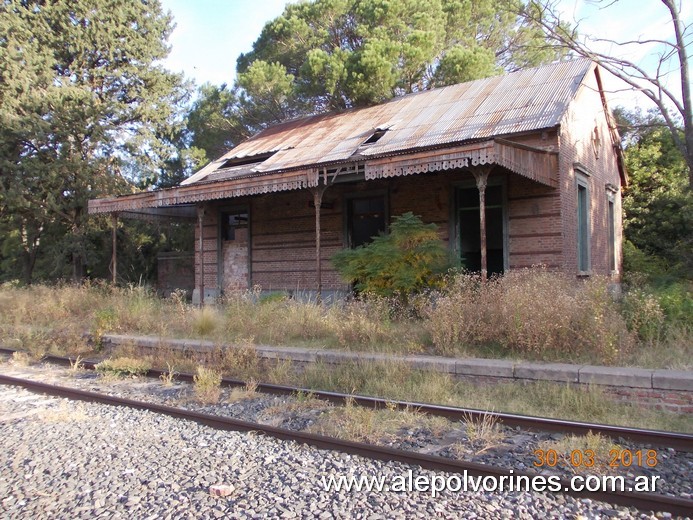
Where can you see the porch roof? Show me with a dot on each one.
(536, 164)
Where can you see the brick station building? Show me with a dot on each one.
(538, 149)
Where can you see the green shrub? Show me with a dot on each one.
(640, 267)
(676, 301)
(409, 259)
(105, 320)
(651, 311)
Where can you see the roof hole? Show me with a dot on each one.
(375, 137)
(251, 159)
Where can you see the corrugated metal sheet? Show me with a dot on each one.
(527, 100)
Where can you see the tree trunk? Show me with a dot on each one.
(30, 245)
(28, 263)
(77, 268)
(77, 260)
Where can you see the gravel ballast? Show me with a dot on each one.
(64, 459)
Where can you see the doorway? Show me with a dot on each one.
(234, 239)
(469, 236)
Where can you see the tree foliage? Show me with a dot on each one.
(85, 110)
(410, 258)
(338, 54)
(658, 205)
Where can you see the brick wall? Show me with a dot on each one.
(534, 224)
(576, 146)
(282, 225)
(283, 240)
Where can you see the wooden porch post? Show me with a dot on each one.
(481, 175)
(200, 219)
(114, 251)
(317, 202)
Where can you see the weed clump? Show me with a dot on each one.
(123, 367)
(483, 432)
(207, 384)
(205, 321)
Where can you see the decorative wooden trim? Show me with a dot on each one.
(533, 163)
(200, 192)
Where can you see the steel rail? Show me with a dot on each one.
(642, 501)
(676, 440)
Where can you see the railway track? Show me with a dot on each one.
(642, 501)
(678, 441)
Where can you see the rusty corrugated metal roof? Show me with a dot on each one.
(523, 101)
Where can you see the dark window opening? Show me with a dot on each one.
(470, 233)
(231, 221)
(365, 219)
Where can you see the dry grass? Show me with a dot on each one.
(77, 365)
(22, 359)
(205, 321)
(530, 312)
(248, 391)
(169, 375)
(360, 424)
(207, 384)
(483, 432)
(497, 319)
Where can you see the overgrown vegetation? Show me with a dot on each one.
(395, 381)
(501, 318)
(362, 424)
(533, 313)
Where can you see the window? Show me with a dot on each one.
(583, 222)
(611, 224)
(232, 221)
(366, 218)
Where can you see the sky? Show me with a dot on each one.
(211, 34)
